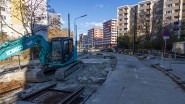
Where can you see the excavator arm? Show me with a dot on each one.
(12, 48)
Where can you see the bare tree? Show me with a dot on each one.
(157, 23)
(143, 24)
(31, 15)
(58, 32)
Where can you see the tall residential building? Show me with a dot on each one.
(174, 16)
(95, 38)
(12, 23)
(110, 33)
(123, 19)
(5, 14)
(144, 17)
(54, 20)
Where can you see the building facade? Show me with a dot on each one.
(6, 19)
(83, 41)
(54, 20)
(34, 19)
(110, 33)
(173, 16)
(123, 20)
(95, 38)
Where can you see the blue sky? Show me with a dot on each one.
(97, 11)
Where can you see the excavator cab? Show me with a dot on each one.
(61, 50)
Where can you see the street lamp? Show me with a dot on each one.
(75, 28)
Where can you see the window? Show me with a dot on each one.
(125, 18)
(120, 9)
(56, 51)
(120, 19)
(120, 14)
(176, 23)
(168, 18)
(4, 25)
(142, 10)
(169, 5)
(176, 17)
(169, 0)
(125, 28)
(141, 5)
(168, 12)
(2, 8)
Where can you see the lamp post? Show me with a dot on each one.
(75, 28)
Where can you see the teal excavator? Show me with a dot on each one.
(58, 54)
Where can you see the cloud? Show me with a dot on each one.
(99, 6)
(62, 21)
(92, 24)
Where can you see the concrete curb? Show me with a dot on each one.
(169, 73)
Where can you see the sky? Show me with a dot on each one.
(97, 11)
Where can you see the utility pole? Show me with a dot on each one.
(68, 25)
(135, 29)
(1, 31)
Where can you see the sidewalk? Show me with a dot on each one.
(136, 83)
(177, 67)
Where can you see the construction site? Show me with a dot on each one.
(75, 89)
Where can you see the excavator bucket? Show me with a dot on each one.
(36, 75)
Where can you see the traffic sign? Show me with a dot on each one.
(165, 37)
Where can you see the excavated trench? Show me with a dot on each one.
(7, 88)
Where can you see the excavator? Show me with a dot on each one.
(60, 54)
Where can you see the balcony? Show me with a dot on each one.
(172, 2)
(144, 8)
(172, 8)
(171, 14)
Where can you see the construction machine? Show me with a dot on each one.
(58, 54)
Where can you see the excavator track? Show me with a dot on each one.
(61, 74)
(66, 72)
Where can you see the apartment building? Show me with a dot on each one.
(123, 20)
(12, 23)
(174, 15)
(95, 38)
(110, 33)
(83, 41)
(6, 17)
(54, 20)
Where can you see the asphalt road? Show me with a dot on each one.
(136, 83)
